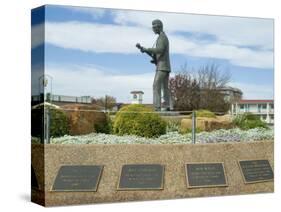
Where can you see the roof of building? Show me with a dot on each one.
(256, 101)
(137, 92)
(229, 88)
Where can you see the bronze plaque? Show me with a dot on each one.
(205, 175)
(141, 177)
(77, 178)
(254, 171)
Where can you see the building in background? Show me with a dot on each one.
(262, 108)
(231, 94)
(137, 97)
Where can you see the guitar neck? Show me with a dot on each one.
(153, 56)
(150, 54)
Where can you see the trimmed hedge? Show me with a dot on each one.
(104, 126)
(138, 120)
(58, 122)
(85, 119)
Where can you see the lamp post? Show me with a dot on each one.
(43, 83)
(43, 80)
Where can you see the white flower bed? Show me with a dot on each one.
(232, 135)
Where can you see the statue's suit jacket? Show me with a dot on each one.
(162, 53)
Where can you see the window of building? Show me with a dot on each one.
(271, 106)
(135, 96)
(263, 106)
(259, 108)
(241, 106)
(247, 108)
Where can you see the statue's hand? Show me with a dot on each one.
(142, 49)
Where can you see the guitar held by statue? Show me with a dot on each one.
(142, 49)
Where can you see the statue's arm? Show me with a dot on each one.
(160, 47)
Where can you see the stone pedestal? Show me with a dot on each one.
(47, 160)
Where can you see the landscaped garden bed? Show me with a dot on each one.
(231, 135)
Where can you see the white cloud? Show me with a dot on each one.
(88, 80)
(96, 37)
(228, 30)
(122, 39)
(37, 35)
(77, 80)
(94, 12)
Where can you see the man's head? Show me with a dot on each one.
(157, 26)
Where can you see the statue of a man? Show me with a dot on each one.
(160, 56)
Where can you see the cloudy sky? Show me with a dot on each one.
(92, 51)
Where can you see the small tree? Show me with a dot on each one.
(200, 90)
(184, 91)
(107, 102)
(211, 79)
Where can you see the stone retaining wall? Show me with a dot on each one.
(173, 156)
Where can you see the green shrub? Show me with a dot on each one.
(205, 113)
(138, 120)
(188, 130)
(248, 121)
(173, 125)
(58, 121)
(104, 127)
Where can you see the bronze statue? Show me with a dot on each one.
(160, 57)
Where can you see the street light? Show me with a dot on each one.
(44, 80)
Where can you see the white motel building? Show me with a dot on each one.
(263, 108)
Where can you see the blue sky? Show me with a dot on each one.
(90, 51)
